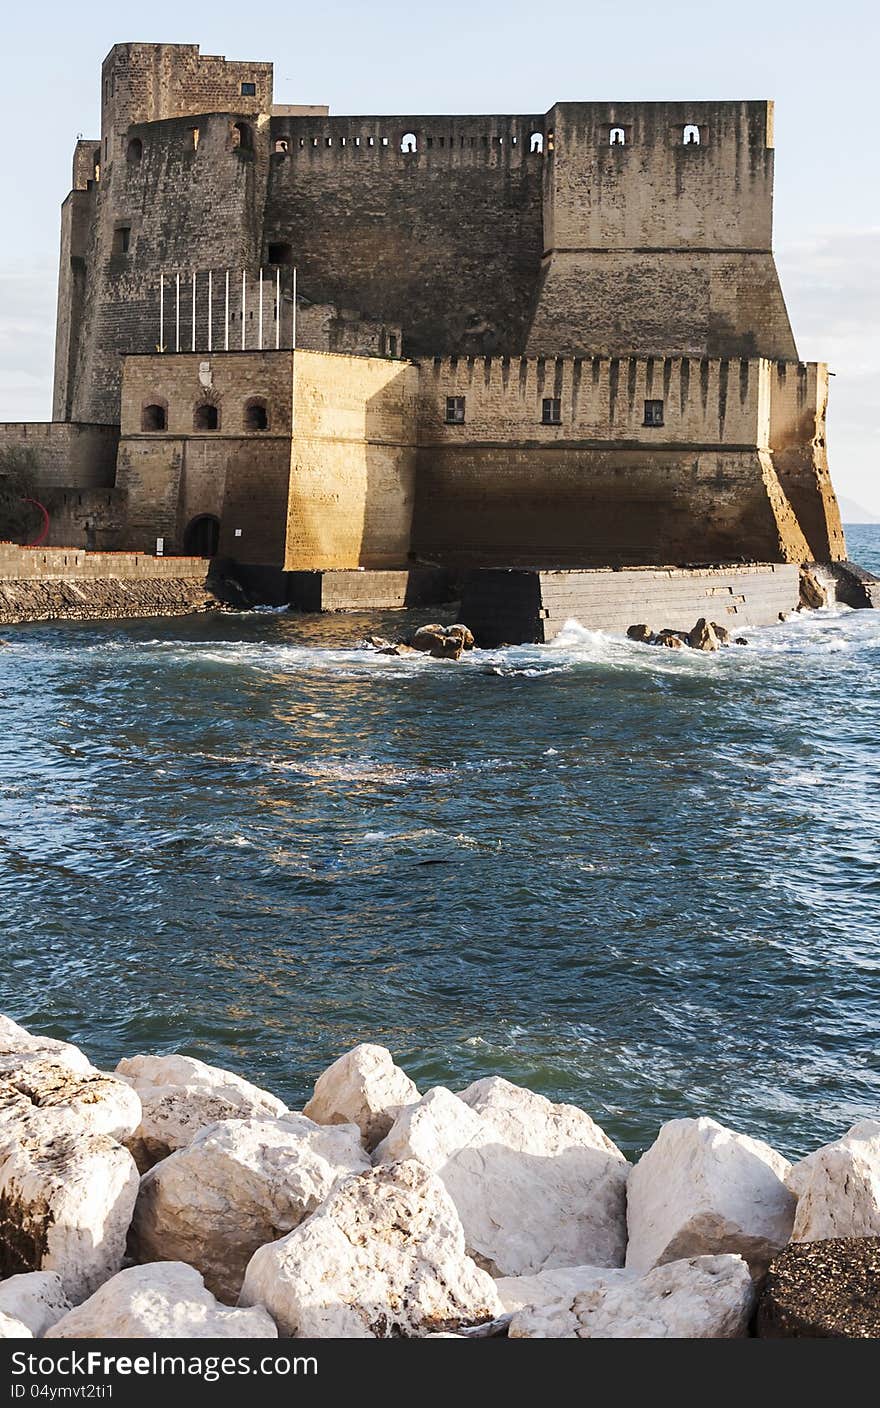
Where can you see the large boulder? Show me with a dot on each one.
(536, 1185)
(30, 1303)
(364, 1087)
(838, 1187)
(67, 1197)
(180, 1095)
(163, 1301)
(67, 1187)
(236, 1186)
(823, 1290)
(39, 1074)
(383, 1258)
(19, 1047)
(704, 1297)
(702, 1189)
(546, 1287)
(703, 636)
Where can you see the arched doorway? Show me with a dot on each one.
(202, 536)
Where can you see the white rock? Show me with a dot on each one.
(702, 1189)
(364, 1087)
(536, 1185)
(18, 1047)
(546, 1287)
(838, 1187)
(38, 1074)
(236, 1186)
(705, 1297)
(165, 1300)
(383, 1257)
(67, 1198)
(30, 1303)
(181, 1095)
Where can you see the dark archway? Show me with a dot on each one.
(206, 416)
(202, 536)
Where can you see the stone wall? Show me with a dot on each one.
(66, 455)
(238, 475)
(445, 240)
(352, 487)
(657, 244)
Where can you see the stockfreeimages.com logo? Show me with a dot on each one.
(95, 1363)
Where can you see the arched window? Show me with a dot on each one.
(256, 416)
(281, 146)
(536, 142)
(96, 164)
(134, 151)
(242, 137)
(691, 135)
(154, 417)
(206, 416)
(408, 142)
(617, 137)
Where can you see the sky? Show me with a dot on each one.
(818, 61)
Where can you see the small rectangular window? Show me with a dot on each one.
(121, 239)
(551, 411)
(455, 410)
(248, 90)
(653, 413)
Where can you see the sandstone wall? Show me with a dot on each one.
(352, 487)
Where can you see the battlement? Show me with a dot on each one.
(148, 82)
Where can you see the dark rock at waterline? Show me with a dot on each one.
(705, 635)
(823, 1290)
(443, 642)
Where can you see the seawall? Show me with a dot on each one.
(520, 606)
(61, 584)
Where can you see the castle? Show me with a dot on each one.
(306, 342)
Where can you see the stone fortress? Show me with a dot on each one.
(308, 343)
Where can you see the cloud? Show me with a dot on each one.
(832, 287)
(27, 340)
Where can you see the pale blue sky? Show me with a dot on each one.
(817, 60)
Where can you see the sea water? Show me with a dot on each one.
(643, 881)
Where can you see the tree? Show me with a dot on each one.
(20, 521)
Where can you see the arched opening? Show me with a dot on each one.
(96, 164)
(134, 151)
(242, 137)
(154, 417)
(281, 146)
(536, 142)
(408, 142)
(617, 137)
(280, 253)
(206, 416)
(691, 135)
(202, 536)
(256, 415)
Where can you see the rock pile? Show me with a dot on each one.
(705, 635)
(440, 642)
(381, 1211)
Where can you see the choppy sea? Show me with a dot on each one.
(643, 881)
